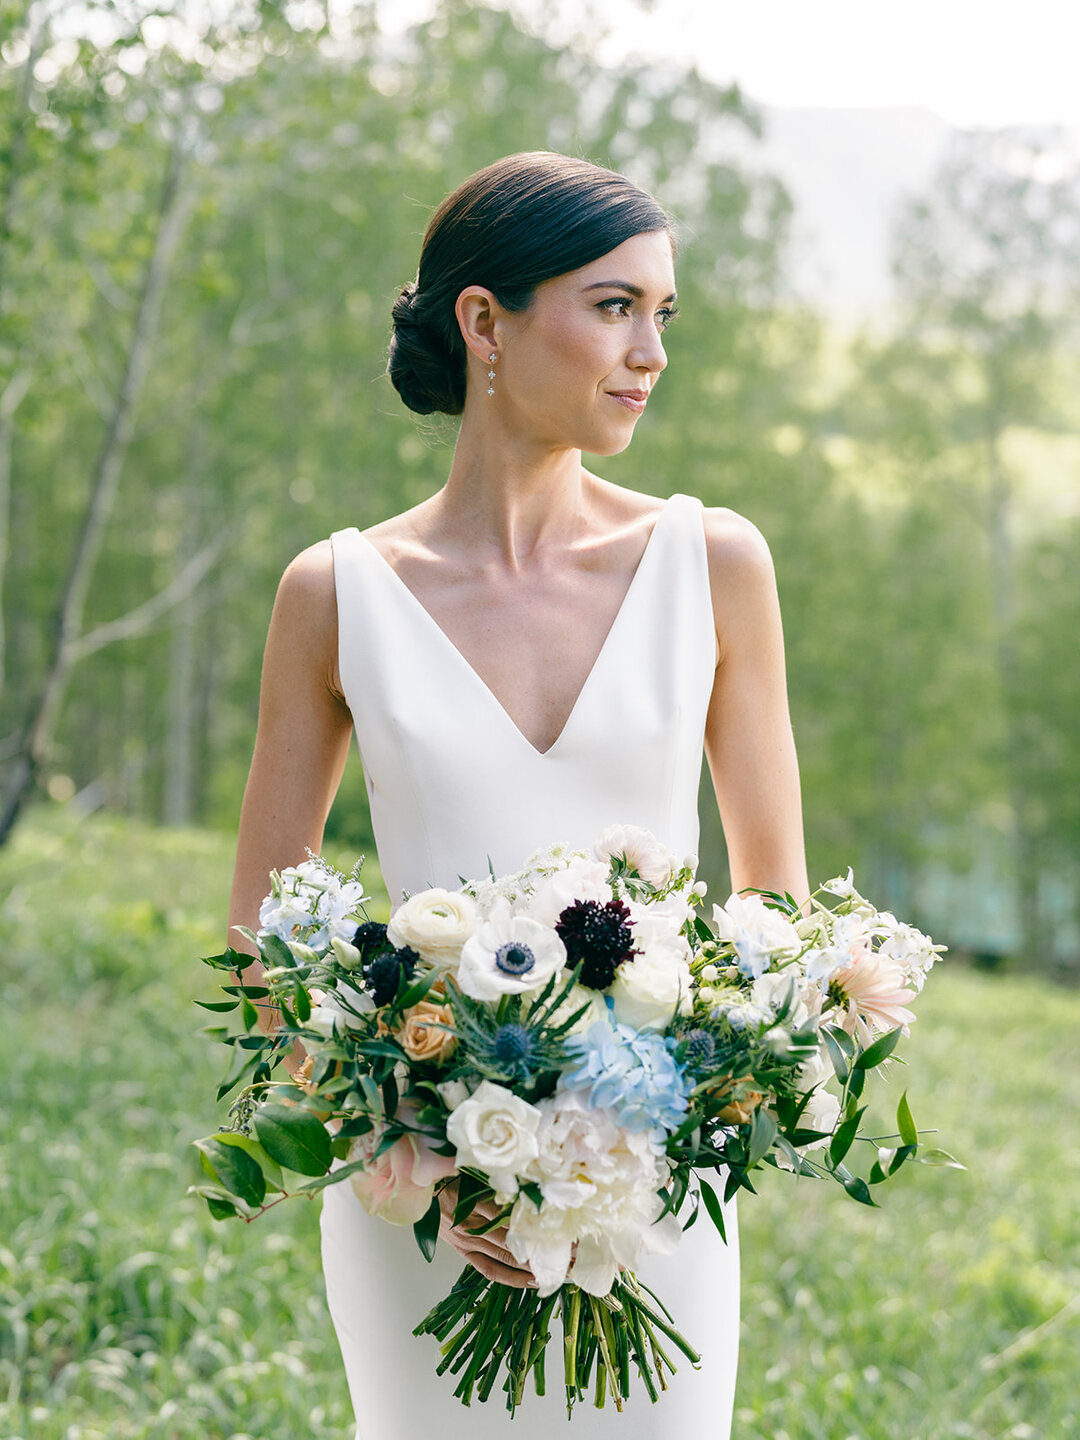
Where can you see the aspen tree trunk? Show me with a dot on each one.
(68, 619)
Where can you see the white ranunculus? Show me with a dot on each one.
(758, 932)
(640, 849)
(494, 1130)
(436, 924)
(509, 955)
(580, 880)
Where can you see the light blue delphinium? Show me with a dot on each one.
(629, 1071)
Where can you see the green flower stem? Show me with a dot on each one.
(571, 1311)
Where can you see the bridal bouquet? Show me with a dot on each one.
(576, 1046)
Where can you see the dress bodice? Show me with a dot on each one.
(453, 783)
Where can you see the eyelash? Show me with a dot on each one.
(667, 314)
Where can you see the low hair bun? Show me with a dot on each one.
(424, 369)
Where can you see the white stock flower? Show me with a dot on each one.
(509, 955)
(436, 924)
(908, 948)
(494, 1130)
(847, 937)
(758, 932)
(640, 849)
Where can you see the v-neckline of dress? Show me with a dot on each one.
(479, 679)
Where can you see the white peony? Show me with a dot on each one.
(772, 989)
(758, 932)
(494, 1130)
(641, 851)
(436, 924)
(599, 1185)
(509, 955)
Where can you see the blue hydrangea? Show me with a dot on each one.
(631, 1072)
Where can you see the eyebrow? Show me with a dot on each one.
(634, 290)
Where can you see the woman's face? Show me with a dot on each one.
(575, 369)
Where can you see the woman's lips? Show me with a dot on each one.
(633, 399)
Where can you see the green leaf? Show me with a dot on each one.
(858, 1189)
(276, 952)
(270, 1168)
(293, 1137)
(303, 1005)
(221, 1005)
(249, 1014)
(713, 1206)
(237, 1171)
(842, 1141)
(427, 1231)
(939, 1157)
(221, 1207)
(836, 1053)
(904, 1122)
(704, 934)
(880, 1050)
(762, 1135)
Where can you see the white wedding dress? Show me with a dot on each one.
(454, 783)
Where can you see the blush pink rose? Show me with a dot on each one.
(398, 1185)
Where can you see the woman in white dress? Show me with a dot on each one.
(530, 655)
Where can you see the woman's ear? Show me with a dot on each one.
(478, 316)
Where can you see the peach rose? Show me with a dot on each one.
(399, 1184)
(422, 1036)
(740, 1112)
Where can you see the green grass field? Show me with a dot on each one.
(126, 1312)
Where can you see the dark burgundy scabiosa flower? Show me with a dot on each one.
(598, 937)
(370, 939)
(383, 973)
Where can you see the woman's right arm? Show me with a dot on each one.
(301, 743)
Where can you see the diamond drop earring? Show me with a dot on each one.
(491, 372)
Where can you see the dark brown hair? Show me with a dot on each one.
(521, 221)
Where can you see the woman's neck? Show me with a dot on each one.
(509, 497)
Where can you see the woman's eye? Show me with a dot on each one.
(665, 316)
(617, 305)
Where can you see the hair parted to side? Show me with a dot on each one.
(509, 227)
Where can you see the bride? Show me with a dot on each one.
(530, 655)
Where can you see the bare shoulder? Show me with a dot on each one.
(304, 623)
(737, 550)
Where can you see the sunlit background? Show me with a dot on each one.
(205, 211)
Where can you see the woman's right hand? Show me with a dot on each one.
(485, 1252)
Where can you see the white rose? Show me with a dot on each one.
(640, 849)
(495, 1131)
(436, 924)
(647, 989)
(509, 955)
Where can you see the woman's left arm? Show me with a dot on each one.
(748, 739)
